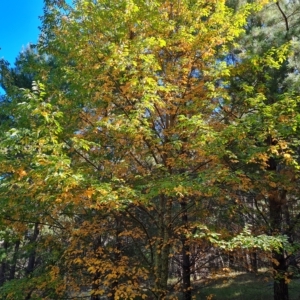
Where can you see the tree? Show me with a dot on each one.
(131, 145)
(270, 124)
(146, 86)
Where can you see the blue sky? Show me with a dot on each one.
(19, 21)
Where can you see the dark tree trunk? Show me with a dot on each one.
(231, 261)
(14, 261)
(3, 265)
(281, 291)
(162, 248)
(32, 250)
(186, 263)
(96, 279)
(116, 257)
(2, 272)
(280, 263)
(254, 263)
(277, 202)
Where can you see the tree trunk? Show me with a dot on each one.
(280, 263)
(2, 272)
(277, 201)
(186, 263)
(254, 263)
(95, 284)
(14, 261)
(162, 248)
(116, 256)
(32, 250)
(281, 291)
(3, 265)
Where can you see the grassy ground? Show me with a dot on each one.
(243, 287)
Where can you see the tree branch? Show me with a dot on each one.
(284, 17)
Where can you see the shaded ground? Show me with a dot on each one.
(242, 287)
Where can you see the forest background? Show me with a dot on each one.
(146, 143)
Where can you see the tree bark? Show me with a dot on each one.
(12, 270)
(162, 248)
(281, 291)
(116, 257)
(32, 251)
(280, 266)
(277, 201)
(254, 262)
(186, 263)
(95, 284)
(3, 265)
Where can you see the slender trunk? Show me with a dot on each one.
(247, 259)
(12, 271)
(117, 258)
(279, 265)
(231, 261)
(164, 269)
(254, 263)
(32, 250)
(3, 265)
(186, 264)
(2, 272)
(193, 263)
(162, 249)
(281, 291)
(277, 201)
(157, 261)
(253, 254)
(96, 278)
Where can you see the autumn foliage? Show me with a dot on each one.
(151, 137)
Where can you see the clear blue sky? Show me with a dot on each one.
(19, 21)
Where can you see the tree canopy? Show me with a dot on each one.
(143, 140)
